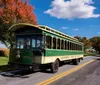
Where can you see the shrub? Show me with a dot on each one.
(2, 53)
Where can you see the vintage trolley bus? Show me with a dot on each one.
(43, 47)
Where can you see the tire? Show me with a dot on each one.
(54, 66)
(75, 61)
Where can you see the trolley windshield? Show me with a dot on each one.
(28, 42)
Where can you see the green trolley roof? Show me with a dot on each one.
(44, 28)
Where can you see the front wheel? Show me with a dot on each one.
(54, 66)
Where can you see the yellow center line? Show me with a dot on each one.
(54, 78)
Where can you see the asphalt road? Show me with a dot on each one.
(87, 75)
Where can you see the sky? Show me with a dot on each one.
(2, 45)
(72, 17)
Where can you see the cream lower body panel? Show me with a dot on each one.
(50, 59)
(37, 59)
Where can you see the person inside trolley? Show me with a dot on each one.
(27, 44)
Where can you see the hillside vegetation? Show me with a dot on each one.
(4, 52)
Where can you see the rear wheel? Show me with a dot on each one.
(54, 66)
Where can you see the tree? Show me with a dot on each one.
(96, 43)
(87, 42)
(78, 37)
(11, 12)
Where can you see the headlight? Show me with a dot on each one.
(17, 56)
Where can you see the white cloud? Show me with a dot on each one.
(72, 9)
(64, 28)
(76, 29)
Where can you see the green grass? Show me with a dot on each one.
(3, 64)
(3, 60)
(89, 54)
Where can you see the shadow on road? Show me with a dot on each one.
(16, 73)
(6, 71)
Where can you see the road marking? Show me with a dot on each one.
(54, 78)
